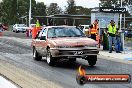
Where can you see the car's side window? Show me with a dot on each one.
(44, 32)
(43, 36)
(41, 33)
(37, 36)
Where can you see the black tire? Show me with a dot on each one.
(16, 31)
(72, 59)
(36, 56)
(92, 60)
(49, 58)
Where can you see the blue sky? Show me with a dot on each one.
(63, 3)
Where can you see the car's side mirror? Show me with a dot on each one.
(43, 38)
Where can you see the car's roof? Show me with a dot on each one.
(59, 26)
(84, 25)
(33, 24)
(20, 24)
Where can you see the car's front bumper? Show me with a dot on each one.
(74, 52)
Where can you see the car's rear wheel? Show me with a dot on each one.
(36, 56)
(49, 58)
(92, 60)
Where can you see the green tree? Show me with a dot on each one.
(53, 9)
(23, 7)
(12, 10)
(82, 11)
(117, 3)
(40, 9)
(71, 8)
(1, 12)
(6, 11)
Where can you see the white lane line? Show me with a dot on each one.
(4, 83)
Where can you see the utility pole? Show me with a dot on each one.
(30, 14)
(122, 34)
(121, 16)
(17, 12)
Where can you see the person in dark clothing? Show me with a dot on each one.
(105, 40)
(1, 28)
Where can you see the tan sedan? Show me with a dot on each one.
(64, 42)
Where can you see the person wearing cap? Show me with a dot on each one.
(94, 29)
(112, 30)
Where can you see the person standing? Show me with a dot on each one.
(36, 29)
(112, 36)
(105, 40)
(1, 29)
(94, 29)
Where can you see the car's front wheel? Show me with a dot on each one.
(36, 56)
(92, 60)
(49, 58)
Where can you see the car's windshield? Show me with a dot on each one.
(64, 32)
(87, 27)
(21, 25)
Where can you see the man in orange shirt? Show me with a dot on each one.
(36, 29)
(94, 29)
